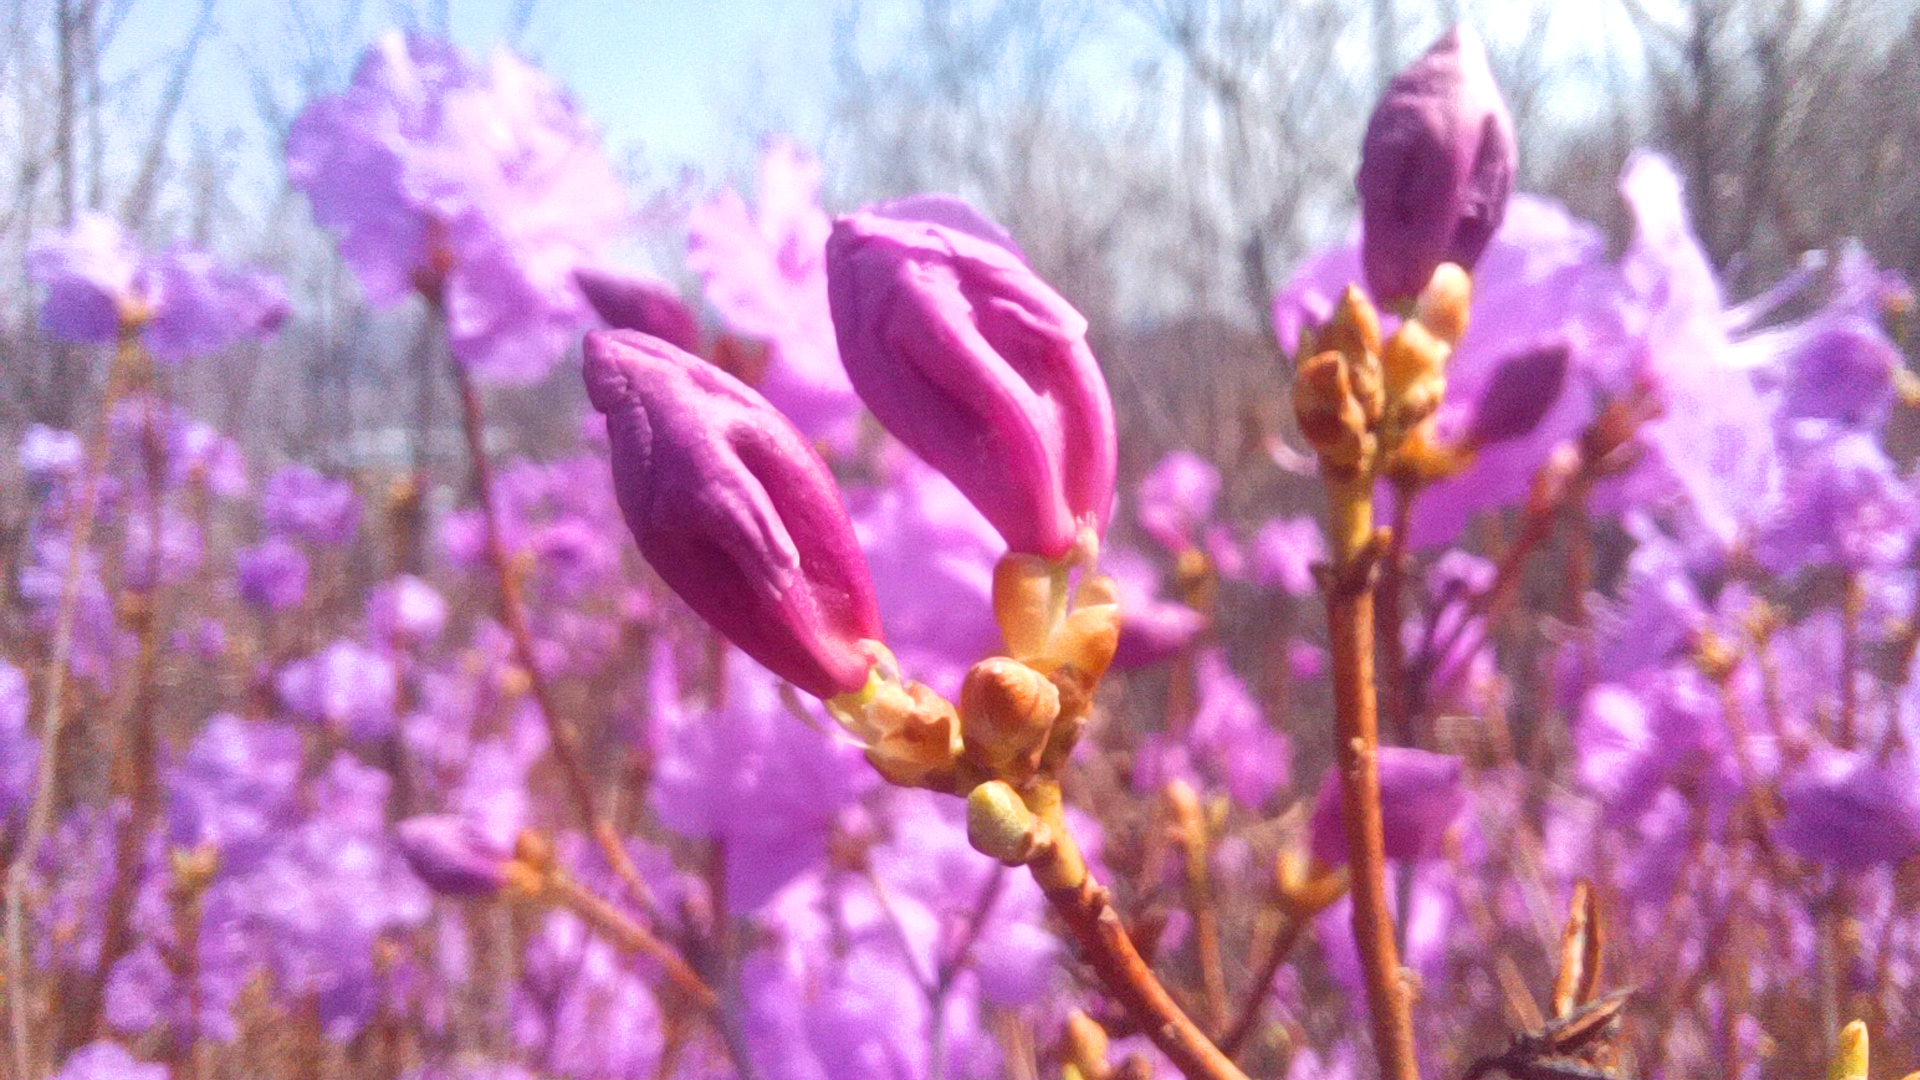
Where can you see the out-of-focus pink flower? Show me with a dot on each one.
(476, 184)
(1229, 744)
(965, 355)
(735, 511)
(1436, 167)
(108, 1060)
(345, 686)
(19, 750)
(1152, 629)
(1284, 553)
(1848, 811)
(272, 574)
(630, 302)
(1420, 796)
(765, 273)
(182, 303)
(1176, 499)
(316, 508)
(405, 611)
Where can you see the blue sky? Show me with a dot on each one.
(677, 79)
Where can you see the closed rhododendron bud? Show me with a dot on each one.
(630, 302)
(1436, 168)
(965, 355)
(735, 511)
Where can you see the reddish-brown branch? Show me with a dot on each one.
(564, 740)
(1281, 947)
(1350, 631)
(632, 937)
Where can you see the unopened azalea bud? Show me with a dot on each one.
(1850, 1059)
(1307, 889)
(1086, 1045)
(966, 356)
(1029, 601)
(912, 734)
(1519, 394)
(1415, 365)
(1091, 635)
(1442, 306)
(1436, 167)
(452, 855)
(1000, 825)
(735, 511)
(1329, 414)
(1006, 710)
(629, 302)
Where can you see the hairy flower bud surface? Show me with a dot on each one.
(980, 367)
(1436, 168)
(735, 511)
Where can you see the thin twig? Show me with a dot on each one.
(1278, 949)
(53, 714)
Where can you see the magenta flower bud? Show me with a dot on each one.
(735, 511)
(1519, 394)
(1436, 168)
(452, 855)
(630, 302)
(966, 356)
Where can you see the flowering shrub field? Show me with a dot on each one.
(832, 707)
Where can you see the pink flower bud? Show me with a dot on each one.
(965, 355)
(1436, 168)
(1519, 394)
(452, 855)
(735, 511)
(630, 302)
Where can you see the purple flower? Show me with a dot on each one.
(1847, 811)
(1229, 743)
(315, 508)
(765, 273)
(235, 790)
(966, 356)
(932, 557)
(749, 774)
(183, 303)
(272, 574)
(1436, 167)
(345, 686)
(1841, 504)
(476, 184)
(200, 455)
(1284, 553)
(1151, 629)
(452, 855)
(1420, 796)
(629, 302)
(405, 611)
(735, 511)
(1176, 499)
(49, 456)
(19, 750)
(107, 1060)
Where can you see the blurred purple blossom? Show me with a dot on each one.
(318, 509)
(932, 557)
(1284, 553)
(405, 612)
(765, 273)
(345, 686)
(272, 575)
(1176, 500)
(1840, 503)
(475, 183)
(750, 773)
(1152, 629)
(1421, 793)
(1848, 811)
(19, 750)
(107, 1060)
(452, 855)
(182, 303)
(1228, 744)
